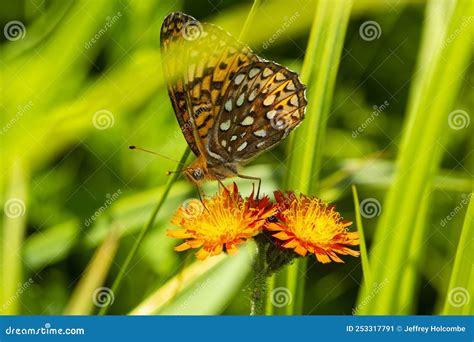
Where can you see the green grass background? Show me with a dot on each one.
(407, 158)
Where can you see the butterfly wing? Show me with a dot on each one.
(199, 62)
(264, 102)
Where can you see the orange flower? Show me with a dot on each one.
(307, 224)
(220, 223)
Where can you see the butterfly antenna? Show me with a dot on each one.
(133, 147)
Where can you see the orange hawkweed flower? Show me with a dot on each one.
(307, 224)
(220, 223)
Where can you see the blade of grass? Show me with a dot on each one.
(461, 285)
(248, 21)
(179, 283)
(319, 72)
(212, 292)
(12, 235)
(417, 160)
(81, 302)
(363, 247)
(123, 269)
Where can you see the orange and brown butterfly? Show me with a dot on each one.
(231, 104)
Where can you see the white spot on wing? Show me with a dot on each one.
(225, 125)
(271, 114)
(253, 72)
(261, 133)
(224, 143)
(253, 94)
(239, 78)
(242, 146)
(247, 121)
(267, 72)
(269, 100)
(290, 86)
(294, 100)
(279, 76)
(228, 105)
(240, 100)
(260, 144)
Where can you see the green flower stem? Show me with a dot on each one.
(259, 282)
(131, 254)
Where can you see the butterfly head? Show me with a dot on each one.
(197, 172)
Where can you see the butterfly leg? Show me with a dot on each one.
(199, 190)
(222, 184)
(259, 180)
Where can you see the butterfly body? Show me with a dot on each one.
(231, 104)
(200, 171)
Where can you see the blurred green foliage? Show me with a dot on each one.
(81, 57)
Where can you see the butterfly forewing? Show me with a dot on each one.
(264, 102)
(199, 62)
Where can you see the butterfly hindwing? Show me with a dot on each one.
(264, 102)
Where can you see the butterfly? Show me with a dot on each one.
(231, 104)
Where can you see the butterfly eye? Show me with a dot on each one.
(198, 174)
